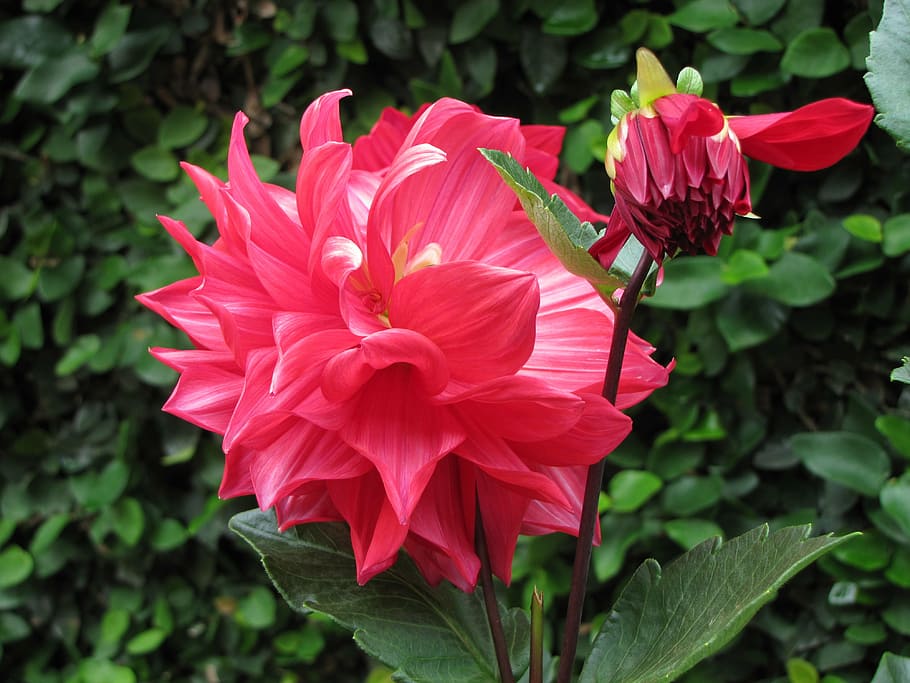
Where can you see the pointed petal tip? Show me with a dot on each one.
(653, 80)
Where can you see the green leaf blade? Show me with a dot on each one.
(889, 64)
(667, 620)
(431, 635)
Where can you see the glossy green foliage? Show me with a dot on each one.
(115, 559)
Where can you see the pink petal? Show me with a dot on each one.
(309, 503)
(687, 116)
(597, 433)
(177, 304)
(236, 480)
(208, 389)
(322, 181)
(376, 533)
(502, 511)
(441, 538)
(376, 151)
(807, 139)
(321, 122)
(397, 429)
(520, 408)
(270, 226)
(300, 453)
(463, 202)
(347, 372)
(545, 518)
(482, 317)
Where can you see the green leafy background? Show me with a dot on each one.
(116, 563)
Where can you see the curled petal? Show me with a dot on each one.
(482, 317)
(320, 122)
(688, 115)
(807, 139)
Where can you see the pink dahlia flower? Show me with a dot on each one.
(393, 346)
(677, 166)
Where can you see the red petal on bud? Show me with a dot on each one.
(807, 139)
(686, 116)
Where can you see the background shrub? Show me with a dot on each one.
(115, 562)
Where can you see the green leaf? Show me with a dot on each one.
(26, 41)
(341, 18)
(52, 78)
(15, 566)
(48, 532)
(795, 280)
(845, 458)
(690, 282)
(889, 45)
(145, 642)
(667, 620)
(815, 53)
(80, 352)
(744, 41)
(870, 633)
(155, 163)
(428, 634)
(690, 494)
(897, 616)
(864, 226)
(902, 374)
(700, 16)
(895, 500)
(109, 28)
(566, 236)
(181, 127)
(869, 552)
(135, 51)
(745, 320)
(469, 19)
(688, 533)
(757, 12)
(57, 279)
(896, 235)
(571, 18)
(543, 59)
(630, 489)
(892, 668)
(801, 671)
(897, 430)
(257, 610)
(744, 265)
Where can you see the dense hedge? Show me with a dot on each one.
(115, 562)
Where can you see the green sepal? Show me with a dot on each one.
(689, 81)
(429, 635)
(668, 619)
(567, 237)
(621, 103)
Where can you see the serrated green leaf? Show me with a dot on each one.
(889, 45)
(430, 635)
(666, 620)
(566, 236)
(892, 668)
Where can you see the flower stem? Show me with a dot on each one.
(489, 600)
(535, 674)
(594, 482)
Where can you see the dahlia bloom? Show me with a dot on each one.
(392, 345)
(678, 172)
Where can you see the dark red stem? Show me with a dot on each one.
(585, 541)
(489, 601)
